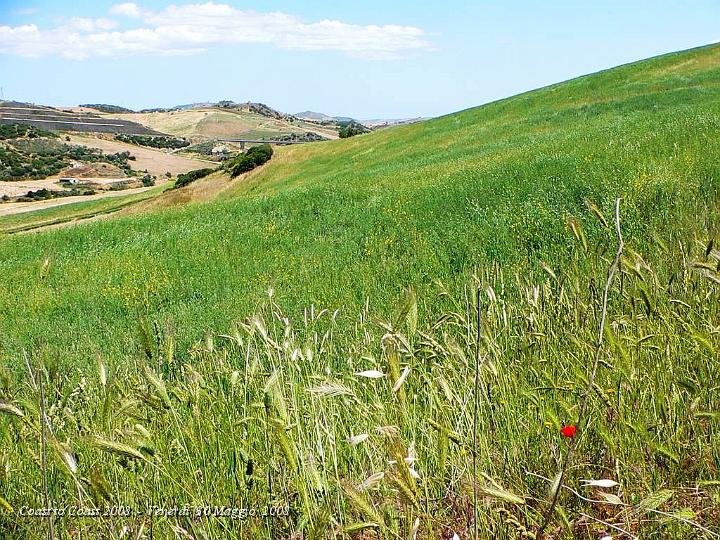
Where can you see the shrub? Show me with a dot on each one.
(17, 131)
(351, 129)
(154, 141)
(204, 148)
(106, 108)
(254, 157)
(189, 177)
(148, 180)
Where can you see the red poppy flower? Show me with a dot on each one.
(568, 431)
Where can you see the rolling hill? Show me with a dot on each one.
(366, 321)
(322, 117)
(12, 112)
(212, 122)
(430, 200)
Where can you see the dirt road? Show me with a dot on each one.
(7, 209)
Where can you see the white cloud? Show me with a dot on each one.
(194, 28)
(91, 25)
(128, 9)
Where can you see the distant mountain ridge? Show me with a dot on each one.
(378, 123)
(257, 108)
(312, 115)
(248, 106)
(322, 117)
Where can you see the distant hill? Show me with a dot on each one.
(13, 112)
(377, 123)
(261, 108)
(227, 119)
(312, 115)
(104, 107)
(248, 106)
(322, 117)
(198, 105)
(185, 107)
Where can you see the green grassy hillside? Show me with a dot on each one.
(188, 356)
(337, 222)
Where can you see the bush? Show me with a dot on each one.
(153, 141)
(189, 177)
(204, 148)
(148, 180)
(351, 129)
(17, 131)
(104, 107)
(254, 157)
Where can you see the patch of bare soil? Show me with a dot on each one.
(155, 161)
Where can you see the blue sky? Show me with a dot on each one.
(361, 58)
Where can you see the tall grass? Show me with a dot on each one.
(370, 433)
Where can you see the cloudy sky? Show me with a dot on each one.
(362, 58)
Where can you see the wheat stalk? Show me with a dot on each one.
(591, 378)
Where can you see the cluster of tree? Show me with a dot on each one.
(154, 141)
(204, 148)
(38, 159)
(17, 131)
(189, 177)
(308, 136)
(45, 194)
(351, 129)
(16, 165)
(254, 157)
(104, 107)
(120, 159)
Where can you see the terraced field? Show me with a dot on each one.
(66, 120)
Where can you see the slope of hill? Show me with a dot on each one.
(62, 120)
(321, 117)
(106, 108)
(466, 256)
(224, 122)
(492, 183)
(312, 115)
(249, 106)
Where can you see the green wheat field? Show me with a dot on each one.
(382, 336)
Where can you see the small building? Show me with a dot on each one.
(220, 151)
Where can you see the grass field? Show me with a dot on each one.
(57, 215)
(218, 352)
